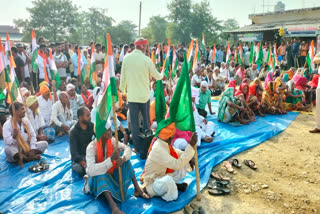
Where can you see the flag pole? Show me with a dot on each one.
(117, 143)
(196, 163)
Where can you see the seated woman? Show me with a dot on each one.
(243, 95)
(230, 108)
(268, 79)
(240, 75)
(255, 96)
(294, 98)
(314, 84)
(302, 85)
(271, 99)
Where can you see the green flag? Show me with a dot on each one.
(260, 56)
(251, 53)
(160, 107)
(180, 110)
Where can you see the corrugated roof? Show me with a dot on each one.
(9, 29)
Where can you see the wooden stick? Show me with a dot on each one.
(297, 60)
(305, 64)
(117, 143)
(197, 172)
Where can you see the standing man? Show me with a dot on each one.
(19, 69)
(99, 57)
(61, 61)
(219, 56)
(135, 79)
(317, 128)
(26, 61)
(81, 134)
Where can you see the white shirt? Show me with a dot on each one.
(225, 73)
(8, 133)
(196, 80)
(59, 59)
(45, 107)
(36, 121)
(75, 104)
(217, 77)
(26, 66)
(58, 110)
(94, 168)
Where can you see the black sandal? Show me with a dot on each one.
(214, 184)
(219, 191)
(250, 164)
(235, 163)
(44, 165)
(35, 168)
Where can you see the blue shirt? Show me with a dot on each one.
(295, 48)
(74, 60)
(219, 56)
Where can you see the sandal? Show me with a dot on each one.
(35, 168)
(215, 184)
(235, 162)
(188, 210)
(219, 191)
(227, 165)
(197, 208)
(250, 164)
(44, 165)
(219, 177)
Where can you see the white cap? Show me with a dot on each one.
(70, 87)
(204, 84)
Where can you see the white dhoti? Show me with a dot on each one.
(318, 108)
(166, 186)
(204, 131)
(11, 150)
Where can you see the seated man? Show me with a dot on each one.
(17, 128)
(45, 104)
(166, 166)
(75, 100)
(61, 117)
(37, 121)
(81, 134)
(103, 160)
(204, 99)
(219, 79)
(197, 78)
(252, 72)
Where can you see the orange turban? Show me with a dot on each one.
(44, 89)
(167, 132)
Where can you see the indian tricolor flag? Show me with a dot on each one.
(269, 58)
(157, 56)
(275, 55)
(153, 57)
(108, 90)
(310, 57)
(241, 54)
(2, 67)
(53, 71)
(203, 46)
(257, 50)
(34, 51)
(213, 53)
(196, 54)
(228, 54)
(13, 85)
(175, 61)
(81, 72)
(189, 54)
(93, 68)
(166, 64)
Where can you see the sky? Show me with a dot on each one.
(129, 9)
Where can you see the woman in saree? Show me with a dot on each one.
(272, 100)
(255, 96)
(230, 108)
(293, 98)
(240, 75)
(301, 84)
(268, 79)
(243, 95)
(314, 84)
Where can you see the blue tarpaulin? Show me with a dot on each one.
(58, 190)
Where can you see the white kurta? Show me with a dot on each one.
(61, 115)
(45, 107)
(203, 130)
(75, 104)
(36, 121)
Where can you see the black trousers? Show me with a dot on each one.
(202, 112)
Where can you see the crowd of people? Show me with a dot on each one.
(43, 112)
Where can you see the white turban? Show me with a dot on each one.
(24, 91)
(204, 84)
(216, 68)
(70, 87)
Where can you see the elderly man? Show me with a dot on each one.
(166, 166)
(252, 72)
(45, 104)
(219, 79)
(102, 160)
(317, 128)
(62, 117)
(197, 78)
(135, 79)
(225, 71)
(17, 128)
(75, 100)
(204, 99)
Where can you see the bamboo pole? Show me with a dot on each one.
(117, 143)
(197, 171)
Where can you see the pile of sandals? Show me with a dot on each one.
(39, 167)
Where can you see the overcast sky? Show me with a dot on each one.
(129, 9)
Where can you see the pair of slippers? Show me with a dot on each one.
(39, 167)
(228, 165)
(193, 209)
(218, 188)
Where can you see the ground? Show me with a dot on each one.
(287, 179)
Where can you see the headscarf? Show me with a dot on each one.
(167, 132)
(268, 79)
(240, 73)
(290, 73)
(232, 84)
(301, 83)
(43, 83)
(285, 77)
(228, 95)
(314, 82)
(240, 91)
(290, 85)
(70, 87)
(31, 100)
(246, 80)
(306, 73)
(44, 89)
(277, 82)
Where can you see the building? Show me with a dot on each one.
(14, 33)
(301, 23)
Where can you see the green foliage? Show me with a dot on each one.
(155, 32)
(124, 32)
(228, 25)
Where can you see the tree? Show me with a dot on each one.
(124, 32)
(228, 25)
(155, 31)
(53, 19)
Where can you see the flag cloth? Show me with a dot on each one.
(275, 55)
(310, 57)
(157, 56)
(175, 62)
(34, 51)
(236, 55)
(257, 50)
(269, 59)
(241, 54)
(108, 89)
(81, 71)
(2, 72)
(196, 54)
(190, 53)
(160, 107)
(166, 64)
(251, 54)
(53, 71)
(228, 54)
(1, 57)
(93, 68)
(181, 110)
(203, 46)
(153, 57)
(213, 53)
(260, 56)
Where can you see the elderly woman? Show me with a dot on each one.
(240, 75)
(243, 95)
(272, 99)
(255, 96)
(294, 98)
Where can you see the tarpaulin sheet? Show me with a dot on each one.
(58, 190)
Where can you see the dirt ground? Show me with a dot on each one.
(287, 179)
